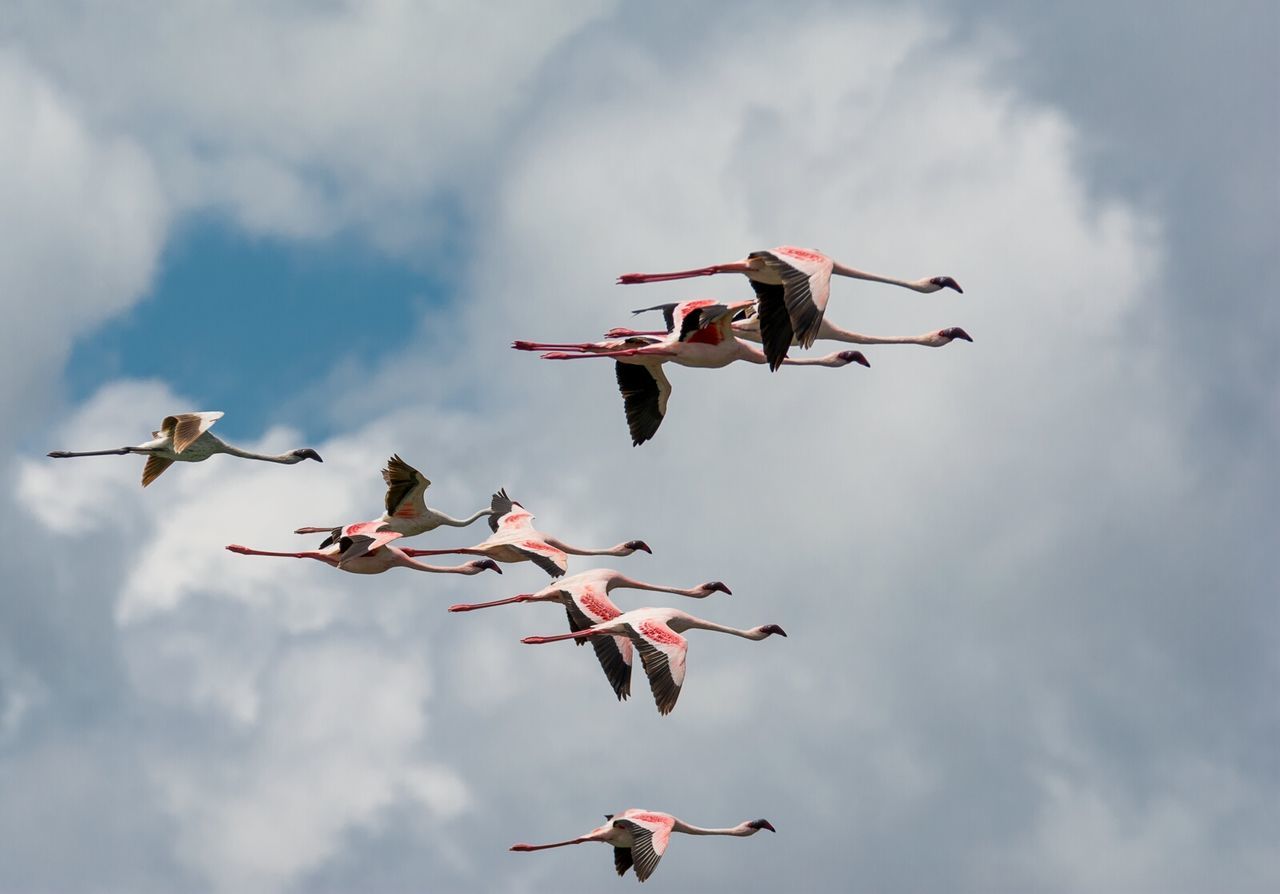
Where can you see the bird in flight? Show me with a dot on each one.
(639, 837)
(792, 285)
(185, 437)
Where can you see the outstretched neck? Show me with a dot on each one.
(692, 622)
(740, 831)
(285, 458)
(630, 584)
(463, 522)
(619, 550)
(842, 270)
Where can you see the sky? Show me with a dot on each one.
(1027, 582)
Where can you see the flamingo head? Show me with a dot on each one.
(944, 282)
(714, 586)
(757, 825)
(632, 546)
(484, 565)
(305, 453)
(954, 332)
(770, 630)
(848, 357)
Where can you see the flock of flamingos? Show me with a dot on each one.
(791, 290)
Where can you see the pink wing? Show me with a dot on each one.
(551, 560)
(650, 833)
(614, 653)
(813, 264)
(662, 652)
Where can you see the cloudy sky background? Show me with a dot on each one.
(1034, 632)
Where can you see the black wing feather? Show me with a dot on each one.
(641, 398)
(616, 670)
(658, 669)
(622, 859)
(776, 334)
(805, 314)
(643, 855)
(499, 506)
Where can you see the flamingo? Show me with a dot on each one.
(700, 335)
(407, 514)
(185, 437)
(656, 634)
(374, 562)
(793, 285)
(586, 601)
(515, 539)
(640, 837)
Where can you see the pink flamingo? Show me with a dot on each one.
(640, 837)
(586, 601)
(515, 539)
(407, 514)
(701, 335)
(185, 437)
(374, 562)
(793, 285)
(656, 633)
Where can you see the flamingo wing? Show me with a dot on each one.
(613, 652)
(183, 429)
(668, 313)
(662, 652)
(650, 833)
(406, 489)
(551, 560)
(154, 467)
(622, 859)
(806, 284)
(645, 390)
(506, 513)
(352, 547)
(776, 334)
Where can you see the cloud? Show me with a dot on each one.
(302, 120)
(84, 220)
(1002, 654)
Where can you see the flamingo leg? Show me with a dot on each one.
(631, 333)
(551, 346)
(627, 279)
(539, 640)
(472, 606)
(631, 352)
(245, 551)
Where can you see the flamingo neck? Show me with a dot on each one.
(698, 623)
(284, 458)
(630, 584)
(737, 831)
(842, 270)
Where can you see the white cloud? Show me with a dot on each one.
(935, 533)
(83, 219)
(302, 120)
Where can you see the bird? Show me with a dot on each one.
(185, 437)
(515, 539)
(700, 334)
(407, 513)
(793, 285)
(655, 632)
(586, 601)
(639, 837)
(375, 562)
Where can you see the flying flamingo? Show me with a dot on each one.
(700, 335)
(185, 437)
(793, 285)
(641, 836)
(374, 562)
(407, 514)
(586, 601)
(656, 633)
(515, 539)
